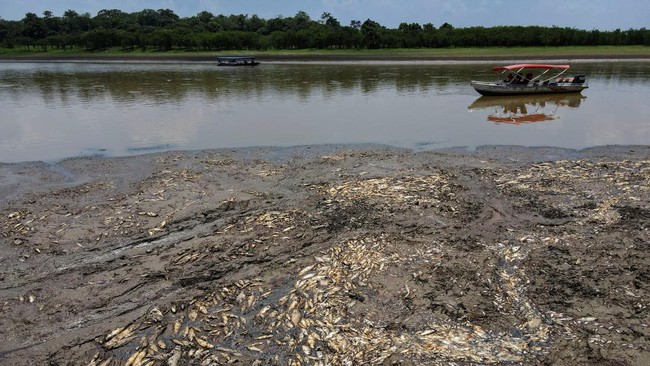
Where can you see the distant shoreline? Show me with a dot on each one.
(320, 57)
(454, 54)
(317, 58)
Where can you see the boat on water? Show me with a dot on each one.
(236, 61)
(523, 79)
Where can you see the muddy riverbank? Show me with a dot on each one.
(328, 255)
(405, 55)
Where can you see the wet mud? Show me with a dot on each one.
(319, 256)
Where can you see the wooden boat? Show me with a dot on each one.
(236, 61)
(522, 79)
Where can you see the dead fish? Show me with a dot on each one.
(534, 323)
(203, 343)
(106, 362)
(587, 319)
(161, 344)
(241, 297)
(295, 317)
(175, 357)
(306, 269)
(115, 332)
(251, 301)
(136, 358)
(254, 349)
(122, 337)
(181, 343)
(177, 325)
(192, 315)
(306, 350)
(263, 311)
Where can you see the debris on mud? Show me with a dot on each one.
(352, 257)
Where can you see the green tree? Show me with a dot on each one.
(52, 23)
(111, 18)
(164, 30)
(255, 24)
(149, 18)
(167, 18)
(371, 32)
(224, 23)
(205, 17)
(100, 39)
(328, 20)
(278, 24)
(33, 27)
(410, 35)
(351, 38)
(161, 39)
(8, 33)
(74, 22)
(301, 20)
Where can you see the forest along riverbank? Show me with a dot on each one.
(328, 255)
(436, 54)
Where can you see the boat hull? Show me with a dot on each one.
(236, 61)
(250, 64)
(496, 89)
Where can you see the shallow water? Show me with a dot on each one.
(52, 111)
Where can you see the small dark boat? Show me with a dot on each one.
(236, 61)
(522, 79)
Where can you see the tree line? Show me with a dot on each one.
(164, 30)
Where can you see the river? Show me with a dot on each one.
(55, 110)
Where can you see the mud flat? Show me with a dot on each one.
(328, 255)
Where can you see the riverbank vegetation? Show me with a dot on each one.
(384, 54)
(163, 30)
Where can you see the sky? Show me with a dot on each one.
(581, 14)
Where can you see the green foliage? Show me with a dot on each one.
(371, 32)
(162, 30)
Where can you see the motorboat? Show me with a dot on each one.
(523, 109)
(522, 79)
(236, 61)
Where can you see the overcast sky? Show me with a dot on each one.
(582, 14)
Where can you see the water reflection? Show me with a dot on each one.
(516, 110)
(155, 84)
(56, 110)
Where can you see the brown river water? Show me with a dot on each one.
(51, 111)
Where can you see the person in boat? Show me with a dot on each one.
(508, 79)
(529, 78)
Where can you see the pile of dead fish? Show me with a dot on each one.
(313, 317)
(311, 320)
(431, 189)
(18, 225)
(588, 191)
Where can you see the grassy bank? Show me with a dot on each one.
(578, 52)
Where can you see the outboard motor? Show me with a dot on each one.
(579, 79)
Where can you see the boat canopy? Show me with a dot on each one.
(518, 68)
(235, 58)
(531, 66)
